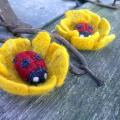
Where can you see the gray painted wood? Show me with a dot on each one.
(37, 12)
(78, 98)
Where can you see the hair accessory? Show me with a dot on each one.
(85, 30)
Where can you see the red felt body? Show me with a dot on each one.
(84, 27)
(33, 63)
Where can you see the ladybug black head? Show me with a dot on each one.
(37, 76)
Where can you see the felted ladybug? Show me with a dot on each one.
(84, 29)
(31, 67)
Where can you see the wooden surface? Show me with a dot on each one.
(78, 98)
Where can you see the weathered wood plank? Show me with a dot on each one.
(39, 12)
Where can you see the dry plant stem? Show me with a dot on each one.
(76, 70)
(26, 30)
(96, 79)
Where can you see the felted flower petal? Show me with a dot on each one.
(44, 88)
(104, 42)
(104, 27)
(62, 32)
(24, 89)
(85, 43)
(13, 87)
(57, 61)
(13, 46)
(77, 16)
(95, 19)
(41, 43)
(66, 24)
(73, 33)
(3, 70)
(67, 34)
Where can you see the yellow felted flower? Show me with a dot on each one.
(85, 29)
(55, 56)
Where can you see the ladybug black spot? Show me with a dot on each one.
(37, 57)
(90, 27)
(25, 63)
(79, 26)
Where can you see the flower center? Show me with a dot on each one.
(31, 67)
(84, 29)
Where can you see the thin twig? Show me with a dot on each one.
(96, 79)
(76, 70)
(26, 30)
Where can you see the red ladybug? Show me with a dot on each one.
(31, 67)
(85, 29)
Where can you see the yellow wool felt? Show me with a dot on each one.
(98, 40)
(55, 56)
